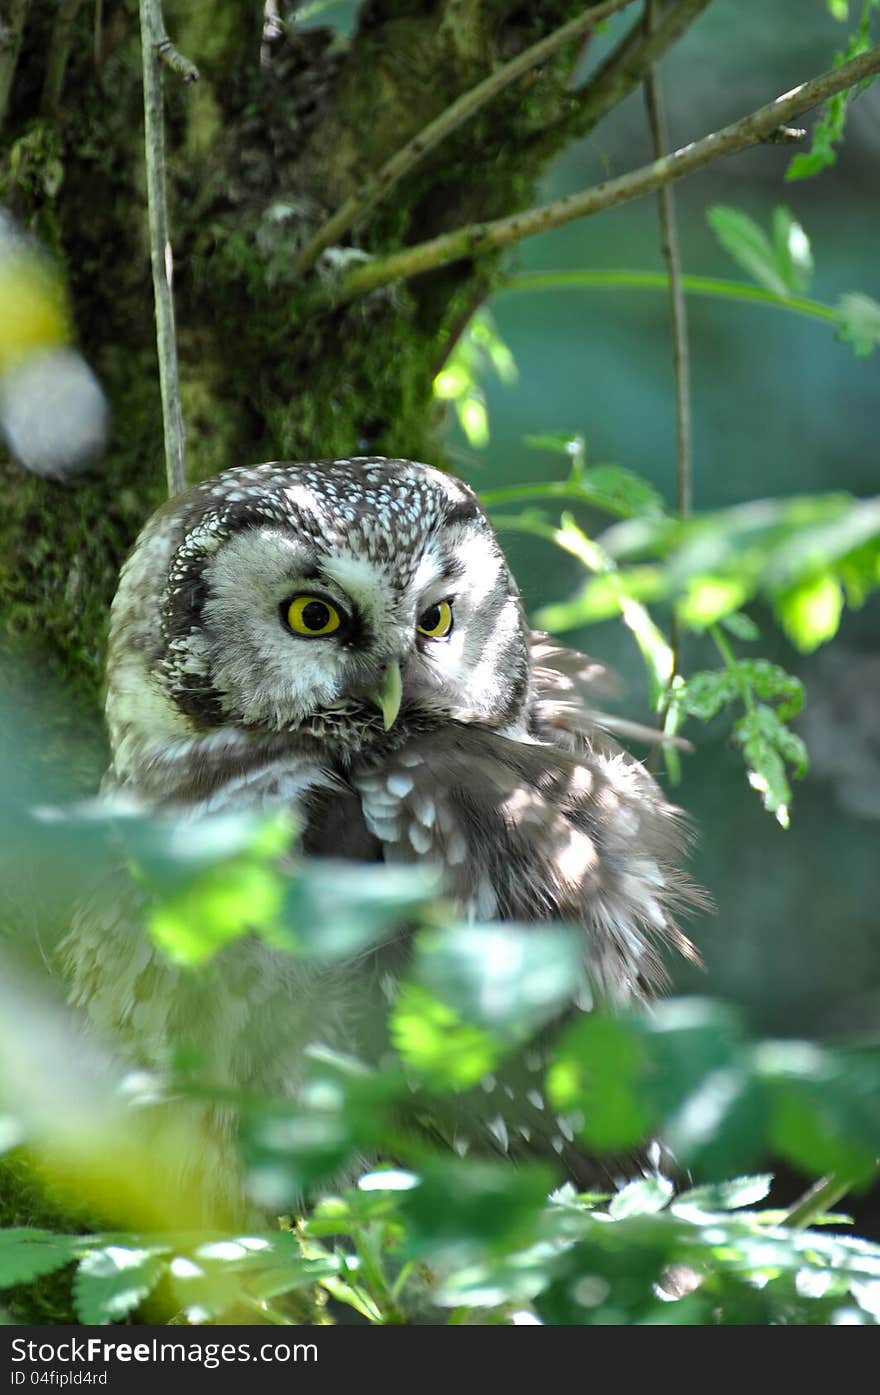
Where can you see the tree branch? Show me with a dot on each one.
(152, 35)
(376, 186)
(626, 67)
(11, 31)
(478, 238)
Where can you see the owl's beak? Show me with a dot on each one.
(387, 697)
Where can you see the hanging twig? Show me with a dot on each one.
(59, 52)
(153, 38)
(478, 238)
(377, 185)
(672, 257)
(11, 30)
(680, 353)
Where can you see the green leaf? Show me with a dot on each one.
(709, 598)
(641, 1198)
(858, 319)
(699, 1202)
(287, 1278)
(810, 613)
(721, 1126)
(341, 1107)
(458, 382)
(825, 1107)
(704, 694)
(169, 852)
(741, 626)
(828, 130)
(792, 248)
(473, 418)
(483, 333)
(110, 1282)
(435, 1041)
(685, 1040)
(220, 906)
(475, 1204)
(288, 1150)
(772, 683)
(598, 1068)
(826, 133)
(610, 1277)
(27, 1254)
(749, 246)
(503, 978)
(619, 490)
(767, 744)
(608, 594)
(335, 909)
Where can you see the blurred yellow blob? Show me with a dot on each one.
(33, 306)
(53, 413)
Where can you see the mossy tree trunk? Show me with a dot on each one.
(270, 140)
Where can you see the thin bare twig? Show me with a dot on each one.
(59, 51)
(98, 34)
(626, 65)
(152, 34)
(376, 186)
(815, 1202)
(11, 30)
(672, 257)
(680, 352)
(478, 238)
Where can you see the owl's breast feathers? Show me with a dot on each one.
(560, 824)
(553, 823)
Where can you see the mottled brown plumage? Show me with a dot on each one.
(474, 749)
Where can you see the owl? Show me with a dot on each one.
(344, 640)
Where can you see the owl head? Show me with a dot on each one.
(344, 602)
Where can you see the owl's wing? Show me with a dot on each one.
(531, 832)
(567, 686)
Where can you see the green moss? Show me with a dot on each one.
(24, 1201)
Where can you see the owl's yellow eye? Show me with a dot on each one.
(313, 616)
(436, 621)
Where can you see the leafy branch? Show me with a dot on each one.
(766, 741)
(478, 238)
(828, 130)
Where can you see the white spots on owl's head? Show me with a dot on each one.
(361, 578)
(200, 612)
